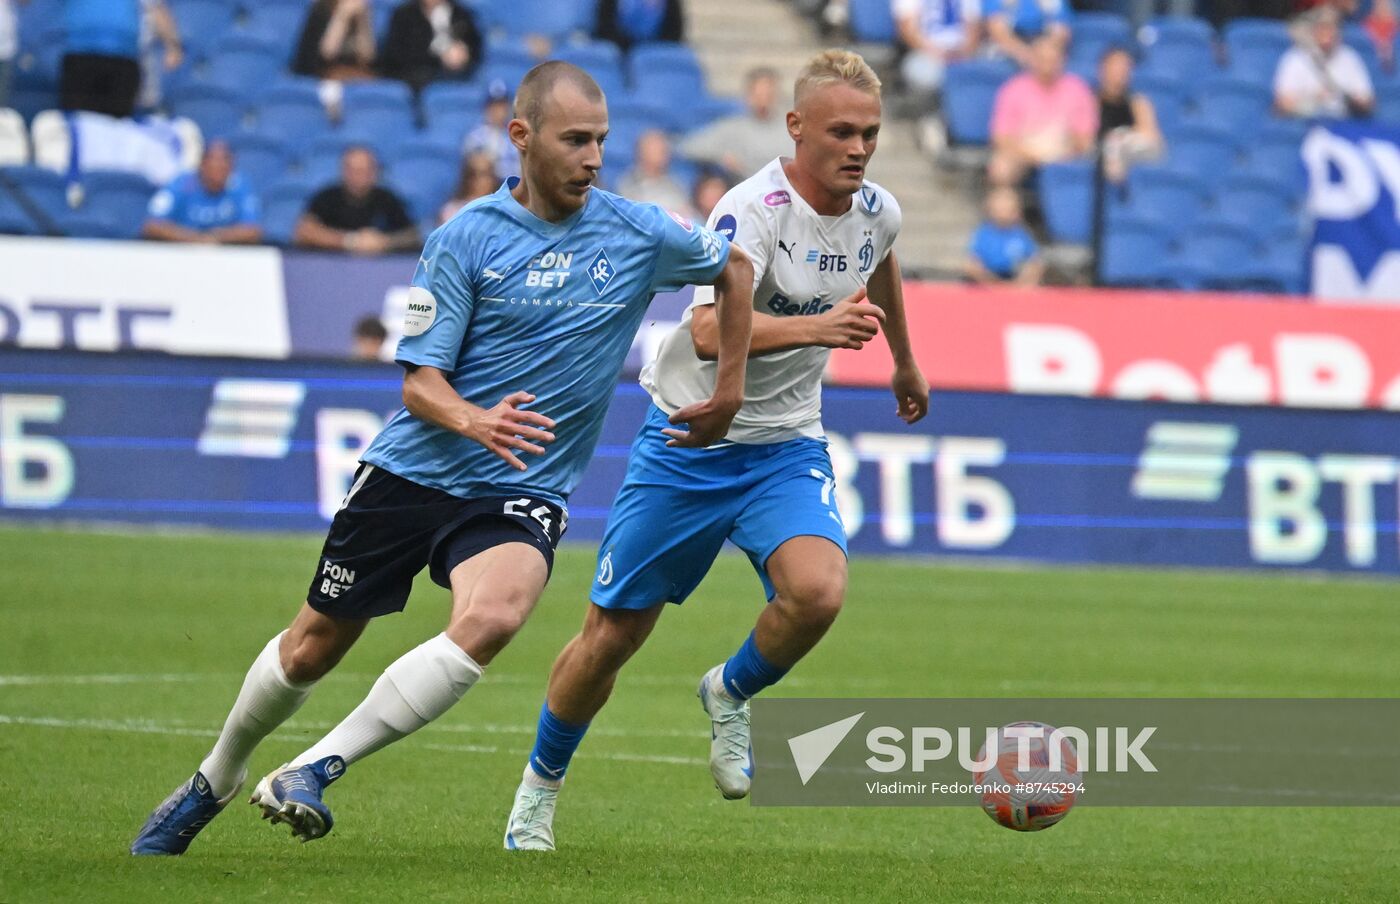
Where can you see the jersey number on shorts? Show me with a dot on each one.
(516, 507)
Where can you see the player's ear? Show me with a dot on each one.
(519, 132)
(794, 125)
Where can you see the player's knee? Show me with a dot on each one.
(611, 641)
(816, 602)
(308, 658)
(490, 624)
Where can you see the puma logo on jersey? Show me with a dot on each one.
(488, 273)
(786, 249)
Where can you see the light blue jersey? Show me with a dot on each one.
(503, 301)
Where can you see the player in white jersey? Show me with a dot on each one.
(819, 236)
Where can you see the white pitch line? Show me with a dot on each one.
(686, 682)
(157, 728)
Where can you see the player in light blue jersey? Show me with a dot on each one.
(820, 236)
(528, 297)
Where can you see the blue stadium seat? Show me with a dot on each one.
(44, 189)
(379, 126)
(13, 218)
(594, 56)
(1176, 199)
(1234, 104)
(1254, 64)
(321, 166)
(450, 128)
(377, 94)
(1202, 151)
(1106, 28)
(88, 224)
(217, 110)
(546, 17)
(1261, 212)
(1177, 29)
(291, 118)
(280, 21)
(425, 144)
(871, 21)
(509, 50)
(709, 109)
(288, 88)
(664, 59)
(1134, 254)
(279, 219)
(1250, 32)
(121, 198)
(1280, 268)
(1388, 103)
(969, 92)
(244, 71)
(260, 158)
(38, 67)
(1067, 200)
(1179, 57)
(424, 182)
(454, 100)
(1212, 255)
(202, 24)
(1280, 160)
(241, 41)
(1246, 178)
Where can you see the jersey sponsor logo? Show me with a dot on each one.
(601, 271)
(682, 221)
(335, 579)
(777, 198)
(867, 254)
(712, 244)
(420, 312)
(550, 270)
(783, 306)
(870, 200)
(727, 226)
(832, 263)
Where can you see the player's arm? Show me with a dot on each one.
(708, 421)
(910, 388)
(850, 323)
(504, 428)
(168, 231)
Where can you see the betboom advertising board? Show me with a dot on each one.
(272, 445)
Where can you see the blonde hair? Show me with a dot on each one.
(831, 67)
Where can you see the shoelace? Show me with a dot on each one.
(529, 827)
(736, 745)
(294, 781)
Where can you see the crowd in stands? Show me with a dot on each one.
(1165, 134)
(347, 125)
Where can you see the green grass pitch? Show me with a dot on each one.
(120, 655)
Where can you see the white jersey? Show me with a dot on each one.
(804, 264)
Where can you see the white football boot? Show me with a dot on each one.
(531, 824)
(731, 754)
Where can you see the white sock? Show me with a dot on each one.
(534, 780)
(414, 690)
(266, 700)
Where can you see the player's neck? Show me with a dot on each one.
(817, 196)
(535, 203)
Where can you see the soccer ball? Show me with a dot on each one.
(1034, 798)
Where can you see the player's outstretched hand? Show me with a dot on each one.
(850, 323)
(507, 428)
(708, 422)
(911, 391)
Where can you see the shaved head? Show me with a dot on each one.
(539, 84)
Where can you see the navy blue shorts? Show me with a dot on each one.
(388, 528)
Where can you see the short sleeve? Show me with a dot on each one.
(440, 303)
(745, 225)
(689, 253)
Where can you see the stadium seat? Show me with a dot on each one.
(120, 198)
(1261, 212)
(88, 224)
(1246, 178)
(281, 21)
(260, 158)
(14, 219)
(1175, 29)
(1172, 56)
(292, 89)
(216, 109)
(1134, 254)
(425, 144)
(424, 182)
(1279, 160)
(709, 109)
(969, 93)
(280, 218)
(1212, 255)
(594, 56)
(1234, 104)
(545, 17)
(241, 71)
(292, 118)
(1174, 198)
(1388, 103)
(321, 166)
(1250, 32)
(202, 24)
(1067, 200)
(871, 22)
(509, 50)
(51, 141)
(668, 61)
(379, 127)
(14, 139)
(1202, 151)
(1279, 268)
(1105, 28)
(44, 190)
(30, 102)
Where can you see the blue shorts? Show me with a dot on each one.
(678, 506)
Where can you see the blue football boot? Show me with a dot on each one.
(173, 825)
(293, 796)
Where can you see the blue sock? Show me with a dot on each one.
(747, 672)
(555, 743)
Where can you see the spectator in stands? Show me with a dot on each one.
(478, 179)
(1013, 26)
(357, 214)
(629, 22)
(1044, 115)
(1002, 250)
(337, 41)
(1321, 76)
(491, 137)
(936, 33)
(744, 143)
(208, 206)
(650, 178)
(368, 339)
(1128, 131)
(101, 67)
(430, 40)
(161, 51)
(9, 46)
(708, 190)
